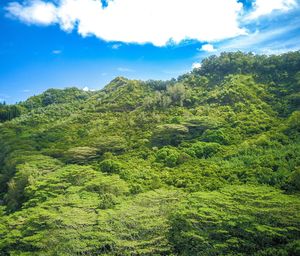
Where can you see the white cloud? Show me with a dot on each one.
(264, 41)
(87, 89)
(265, 7)
(33, 12)
(122, 69)
(116, 46)
(208, 48)
(196, 65)
(56, 52)
(138, 21)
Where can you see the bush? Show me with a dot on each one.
(218, 136)
(110, 166)
(168, 156)
(115, 144)
(293, 182)
(169, 134)
(204, 149)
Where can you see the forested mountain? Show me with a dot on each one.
(205, 164)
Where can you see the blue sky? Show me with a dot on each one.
(86, 43)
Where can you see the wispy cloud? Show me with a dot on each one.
(56, 52)
(125, 70)
(281, 34)
(265, 7)
(263, 40)
(116, 46)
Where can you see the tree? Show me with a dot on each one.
(177, 93)
(169, 134)
(237, 220)
(81, 155)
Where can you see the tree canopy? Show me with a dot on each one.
(205, 164)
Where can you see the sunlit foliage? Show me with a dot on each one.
(205, 164)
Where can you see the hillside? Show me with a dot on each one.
(205, 164)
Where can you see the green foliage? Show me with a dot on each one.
(197, 125)
(218, 136)
(9, 112)
(27, 174)
(169, 134)
(236, 220)
(110, 144)
(56, 96)
(204, 150)
(81, 154)
(293, 183)
(110, 166)
(140, 226)
(177, 93)
(168, 156)
(205, 164)
(293, 124)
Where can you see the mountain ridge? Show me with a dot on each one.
(205, 164)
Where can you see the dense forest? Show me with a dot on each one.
(205, 164)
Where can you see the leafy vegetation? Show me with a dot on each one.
(205, 164)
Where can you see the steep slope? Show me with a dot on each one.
(206, 164)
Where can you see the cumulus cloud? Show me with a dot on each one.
(137, 21)
(208, 48)
(265, 7)
(33, 12)
(87, 89)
